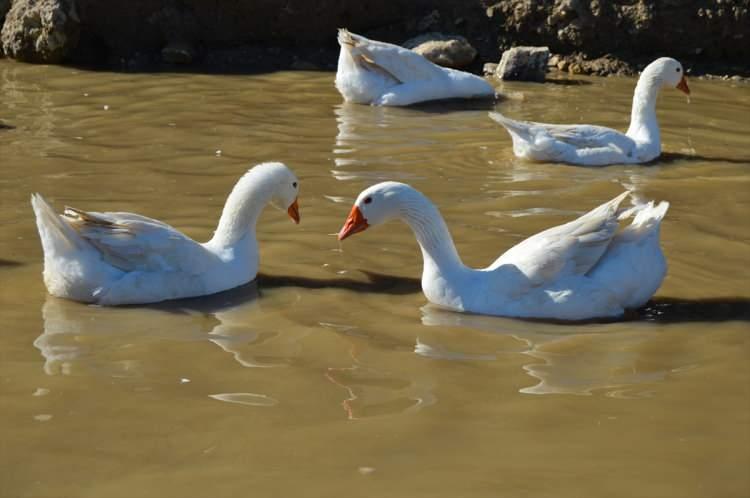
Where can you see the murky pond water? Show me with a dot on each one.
(322, 380)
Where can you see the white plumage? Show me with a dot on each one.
(378, 73)
(124, 258)
(589, 145)
(583, 269)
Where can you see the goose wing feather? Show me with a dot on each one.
(569, 249)
(132, 242)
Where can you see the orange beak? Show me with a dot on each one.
(682, 86)
(293, 211)
(354, 223)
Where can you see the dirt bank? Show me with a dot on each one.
(258, 35)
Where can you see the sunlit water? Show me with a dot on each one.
(323, 381)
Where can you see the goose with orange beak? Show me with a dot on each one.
(589, 145)
(587, 268)
(115, 258)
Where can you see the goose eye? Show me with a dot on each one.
(294, 184)
(678, 69)
(368, 200)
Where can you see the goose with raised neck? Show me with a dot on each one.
(249, 196)
(590, 145)
(116, 258)
(580, 270)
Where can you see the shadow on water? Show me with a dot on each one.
(376, 283)
(673, 157)
(4, 126)
(9, 263)
(457, 105)
(675, 310)
(659, 310)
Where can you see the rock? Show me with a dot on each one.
(444, 50)
(601, 66)
(4, 6)
(523, 63)
(632, 29)
(489, 68)
(41, 31)
(178, 53)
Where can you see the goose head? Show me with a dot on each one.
(285, 187)
(669, 72)
(374, 205)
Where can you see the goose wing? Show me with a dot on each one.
(588, 136)
(398, 63)
(578, 136)
(132, 242)
(569, 249)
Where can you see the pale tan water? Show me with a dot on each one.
(318, 383)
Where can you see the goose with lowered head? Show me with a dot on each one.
(589, 145)
(116, 258)
(583, 269)
(378, 73)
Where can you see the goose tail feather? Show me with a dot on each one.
(57, 236)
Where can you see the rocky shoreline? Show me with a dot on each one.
(585, 36)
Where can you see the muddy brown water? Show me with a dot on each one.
(323, 381)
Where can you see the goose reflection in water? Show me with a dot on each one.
(364, 133)
(589, 357)
(79, 338)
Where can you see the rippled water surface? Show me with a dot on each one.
(323, 380)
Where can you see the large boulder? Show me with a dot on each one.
(4, 7)
(43, 31)
(631, 28)
(444, 50)
(523, 63)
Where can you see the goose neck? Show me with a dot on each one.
(438, 250)
(643, 124)
(241, 211)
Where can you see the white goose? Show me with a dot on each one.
(378, 73)
(125, 258)
(589, 145)
(580, 270)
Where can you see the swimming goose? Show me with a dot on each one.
(580, 270)
(378, 73)
(119, 258)
(589, 145)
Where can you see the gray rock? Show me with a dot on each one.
(444, 50)
(42, 31)
(523, 63)
(4, 7)
(489, 68)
